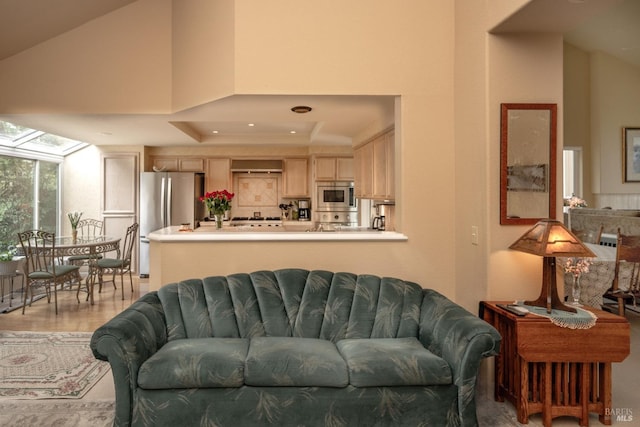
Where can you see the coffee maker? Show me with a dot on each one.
(304, 211)
(379, 221)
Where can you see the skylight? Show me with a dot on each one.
(23, 138)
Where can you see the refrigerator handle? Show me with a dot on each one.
(169, 204)
(163, 203)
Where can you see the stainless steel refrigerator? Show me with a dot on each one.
(167, 198)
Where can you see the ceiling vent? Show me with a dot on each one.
(243, 165)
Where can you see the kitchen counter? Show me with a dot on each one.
(247, 234)
(179, 255)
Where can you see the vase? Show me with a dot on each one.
(218, 218)
(74, 235)
(575, 291)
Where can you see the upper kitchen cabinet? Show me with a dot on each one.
(363, 162)
(295, 177)
(218, 175)
(374, 162)
(178, 164)
(165, 164)
(333, 169)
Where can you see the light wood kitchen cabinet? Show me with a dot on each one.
(374, 166)
(295, 177)
(383, 170)
(364, 171)
(191, 165)
(169, 164)
(178, 164)
(333, 169)
(218, 175)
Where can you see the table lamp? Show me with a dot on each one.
(549, 238)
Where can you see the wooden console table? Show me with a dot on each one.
(544, 368)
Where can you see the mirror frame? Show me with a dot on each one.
(504, 166)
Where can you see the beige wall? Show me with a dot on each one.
(601, 97)
(119, 63)
(202, 67)
(615, 104)
(81, 176)
(449, 74)
(577, 115)
(517, 62)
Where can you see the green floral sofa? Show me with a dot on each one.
(295, 348)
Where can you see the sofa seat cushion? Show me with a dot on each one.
(196, 363)
(301, 362)
(387, 362)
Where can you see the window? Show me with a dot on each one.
(30, 179)
(24, 140)
(572, 172)
(29, 194)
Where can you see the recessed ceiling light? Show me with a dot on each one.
(251, 124)
(301, 109)
(292, 131)
(214, 131)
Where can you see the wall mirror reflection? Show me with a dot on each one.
(527, 163)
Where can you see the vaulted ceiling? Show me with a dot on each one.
(605, 25)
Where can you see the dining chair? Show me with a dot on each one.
(87, 227)
(121, 264)
(90, 227)
(607, 239)
(43, 265)
(628, 255)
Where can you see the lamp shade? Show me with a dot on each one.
(550, 238)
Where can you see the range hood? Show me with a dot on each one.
(245, 165)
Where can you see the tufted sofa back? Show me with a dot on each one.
(292, 303)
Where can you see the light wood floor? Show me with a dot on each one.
(73, 316)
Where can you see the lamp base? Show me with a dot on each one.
(549, 295)
(553, 303)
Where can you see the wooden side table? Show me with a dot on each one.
(544, 368)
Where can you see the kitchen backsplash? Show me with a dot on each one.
(257, 192)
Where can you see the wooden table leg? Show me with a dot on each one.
(584, 394)
(605, 392)
(522, 383)
(546, 406)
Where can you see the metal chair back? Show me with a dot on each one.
(90, 227)
(129, 242)
(39, 249)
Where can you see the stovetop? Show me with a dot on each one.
(256, 218)
(256, 221)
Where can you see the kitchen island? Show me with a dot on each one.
(178, 255)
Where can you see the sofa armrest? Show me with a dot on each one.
(460, 338)
(126, 341)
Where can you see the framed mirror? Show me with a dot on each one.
(527, 163)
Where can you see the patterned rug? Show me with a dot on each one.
(59, 413)
(47, 365)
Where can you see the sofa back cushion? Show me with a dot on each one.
(292, 303)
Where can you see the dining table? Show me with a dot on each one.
(595, 282)
(91, 246)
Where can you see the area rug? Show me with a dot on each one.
(47, 365)
(16, 302)
(67, 413)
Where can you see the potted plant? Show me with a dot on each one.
(8, 265)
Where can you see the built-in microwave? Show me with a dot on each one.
(336, 196)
